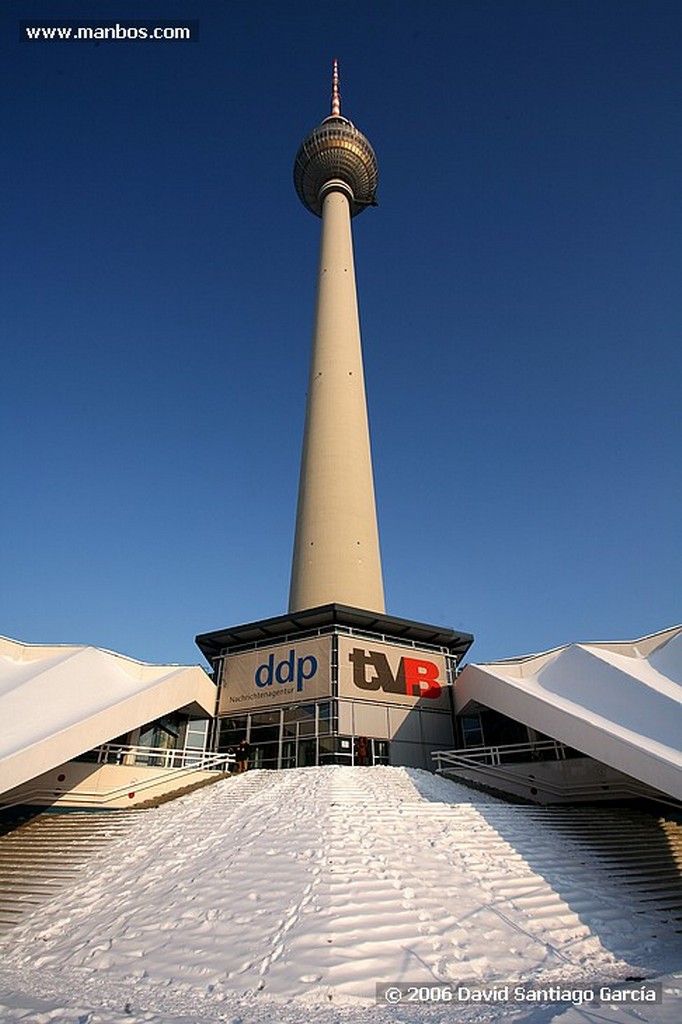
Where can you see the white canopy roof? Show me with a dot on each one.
(619, 702)
(57, 702)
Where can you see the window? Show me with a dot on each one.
(231, 732)
(472, 734)
(195, 736)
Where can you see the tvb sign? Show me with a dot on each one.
(270, 676)
(387, 673)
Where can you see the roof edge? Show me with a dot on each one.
(213, 642)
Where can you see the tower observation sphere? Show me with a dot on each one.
(336, 151)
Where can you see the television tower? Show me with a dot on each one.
(336, 549)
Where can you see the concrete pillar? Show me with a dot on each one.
(336, 550)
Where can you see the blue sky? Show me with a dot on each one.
(520, 300)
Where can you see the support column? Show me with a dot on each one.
(336, 550)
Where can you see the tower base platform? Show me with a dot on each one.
(335, 685)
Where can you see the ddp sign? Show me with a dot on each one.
(271, 676)
(392, 674)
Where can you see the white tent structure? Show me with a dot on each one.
(619, 703)
(57, 702)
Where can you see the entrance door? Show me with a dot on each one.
(264, 739)
(380, 752)
(288, 754)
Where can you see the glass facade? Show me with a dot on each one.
(284, 737)
(297, 736)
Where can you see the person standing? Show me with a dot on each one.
(362, 751)
(242, 754)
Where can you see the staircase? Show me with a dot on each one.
(561, 874)
(43, 854)
(632, 859)
(345, 870)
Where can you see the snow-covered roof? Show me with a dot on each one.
(617, 701)
(58, 701)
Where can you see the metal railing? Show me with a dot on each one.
(496, 766)
(160, 757)
(506, 753)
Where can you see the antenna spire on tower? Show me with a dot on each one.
(336, 98)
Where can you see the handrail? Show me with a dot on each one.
(451, 760)
(213, 762)
(124, 753)
(498, 753)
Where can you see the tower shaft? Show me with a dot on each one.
(336, 550)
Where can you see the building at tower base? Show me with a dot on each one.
(335, 685)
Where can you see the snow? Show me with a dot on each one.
(43, 688)
(590, 696)
(57, 701)
(285, 896)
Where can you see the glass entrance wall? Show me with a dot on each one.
(299, 736)
(293, 736)
(264, 737)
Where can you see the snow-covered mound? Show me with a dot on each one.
(281, 895)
